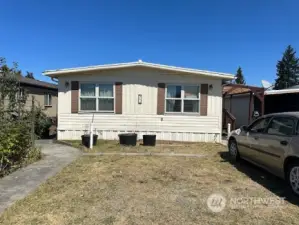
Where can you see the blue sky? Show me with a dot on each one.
(213, 35)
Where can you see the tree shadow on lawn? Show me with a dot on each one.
(274, 184)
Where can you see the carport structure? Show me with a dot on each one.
(239, 103)
(285, 100)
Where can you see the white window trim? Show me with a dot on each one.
(48, 100)
(96, 97)
(20, 93)
(182, 98)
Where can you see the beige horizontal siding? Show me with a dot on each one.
(141, 118)
(168, 127)
(163, 135)
(144, 82)
(140, 122)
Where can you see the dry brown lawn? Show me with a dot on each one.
(153, 190)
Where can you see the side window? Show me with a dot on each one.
(281, 126)
(260, 125)
(48, 100)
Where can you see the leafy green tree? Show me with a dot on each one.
(239, 78)
(14, 133)
(287, 69)
(29, 75)
(5, 70)
(9, 86)
(16, 145)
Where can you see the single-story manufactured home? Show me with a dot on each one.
(175, 103)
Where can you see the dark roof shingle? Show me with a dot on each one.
(34, 82)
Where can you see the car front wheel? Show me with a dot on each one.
(293, 177)
(233, 150)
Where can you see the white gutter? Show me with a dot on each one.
(283, 91)
(55, 73)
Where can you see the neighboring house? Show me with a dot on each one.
(241, 101)
(45, 94)
(175, 103)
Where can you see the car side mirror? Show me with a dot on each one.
(256, 114)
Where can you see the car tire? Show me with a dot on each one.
(292, 176)
(233, 150)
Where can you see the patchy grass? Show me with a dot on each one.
(152, 190)
(163, 147)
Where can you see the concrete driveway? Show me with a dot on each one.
(20, 183)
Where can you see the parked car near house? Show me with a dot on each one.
(175, 103)
(271, 142)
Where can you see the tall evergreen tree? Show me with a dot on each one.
(287, 70)
(239, 78)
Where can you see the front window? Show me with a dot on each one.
(96, 97)
(106, 99)
(88, 97)
(182, 99)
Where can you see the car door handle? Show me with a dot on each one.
(283, 142)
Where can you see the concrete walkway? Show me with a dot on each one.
(20, 183)
(144, 154)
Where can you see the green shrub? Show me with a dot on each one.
(15, 143)
(33, 155)
(41, 122)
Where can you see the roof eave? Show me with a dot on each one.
(283, 91)
(57, 73)
(39, 86)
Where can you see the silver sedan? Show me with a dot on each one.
(271, 142)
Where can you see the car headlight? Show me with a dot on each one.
(237, 132)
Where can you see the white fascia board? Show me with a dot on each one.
(59, 72)
(283, 91)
